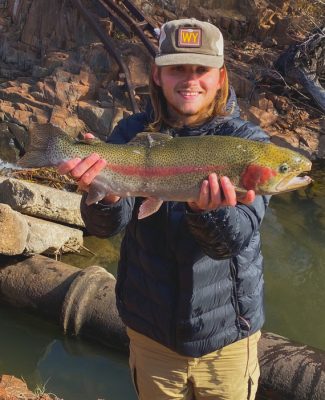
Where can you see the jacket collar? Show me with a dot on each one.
(232, 110)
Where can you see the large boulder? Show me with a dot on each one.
(14, 231)
(41, 201)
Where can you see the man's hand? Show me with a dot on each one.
(217, 193)
(85, 170)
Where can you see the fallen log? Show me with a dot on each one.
(304, 63)
(41, 201)
(83, 303)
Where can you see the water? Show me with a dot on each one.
(293, 236)
(73, 369)
(293, 245)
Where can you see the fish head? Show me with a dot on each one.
(276, 170)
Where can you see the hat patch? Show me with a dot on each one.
(189, 37)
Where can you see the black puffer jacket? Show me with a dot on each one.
(193, 282)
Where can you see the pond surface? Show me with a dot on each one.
(293, 234)
(35, 350)
(294, 249)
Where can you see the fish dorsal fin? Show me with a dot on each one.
(150, 139)
(90, 141)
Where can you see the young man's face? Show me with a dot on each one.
(189, 90)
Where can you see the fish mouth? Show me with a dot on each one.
(293, 183)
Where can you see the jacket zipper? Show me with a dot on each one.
(168, 252)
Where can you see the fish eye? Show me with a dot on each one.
(284, 168)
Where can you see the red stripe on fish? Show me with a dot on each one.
(255, 175)
(151, 172)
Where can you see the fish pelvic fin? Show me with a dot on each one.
(98, 189)
(149, 207)
(41, 137)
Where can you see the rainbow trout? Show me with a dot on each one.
(162, 168)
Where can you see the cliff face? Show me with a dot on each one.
(53, 68)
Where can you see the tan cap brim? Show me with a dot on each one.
(191, 59)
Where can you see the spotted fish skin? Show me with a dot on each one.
(160, 166)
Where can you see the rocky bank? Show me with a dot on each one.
(53, 68)
(12, 388)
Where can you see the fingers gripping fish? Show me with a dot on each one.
(161, 168)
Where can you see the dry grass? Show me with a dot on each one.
(313, 13)
(46, 176)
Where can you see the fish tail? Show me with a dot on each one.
(41, 137)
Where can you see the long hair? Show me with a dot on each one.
(159, 104)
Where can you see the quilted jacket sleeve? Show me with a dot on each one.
(106, 220)
(223, 233)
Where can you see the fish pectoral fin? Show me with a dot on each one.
(149, 207)
(240, 193)
(98, 189)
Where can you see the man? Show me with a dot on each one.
(190, 280)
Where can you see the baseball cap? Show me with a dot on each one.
(190, 41)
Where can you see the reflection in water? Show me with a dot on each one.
(104, 252)
(35, 350)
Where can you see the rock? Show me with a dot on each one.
(281, 103)
(22, 234)
(261, 101)
(67, 120)
(39, 72)
(100, 62)
(242, 85)
(291, 141)
(98, 119)
(232, 21)
(41, 201)
(54, 59)
(18, 133)
(261, 117)
(49, 238)
(18, 106)
(22, 117)
(307, 139)
(8, 152)
(138, 61)
(41, 31)
(14, 231)
(19, 92)
(67, 88)
(58, 66)
(12, 388)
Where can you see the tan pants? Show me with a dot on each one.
(158, 373)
